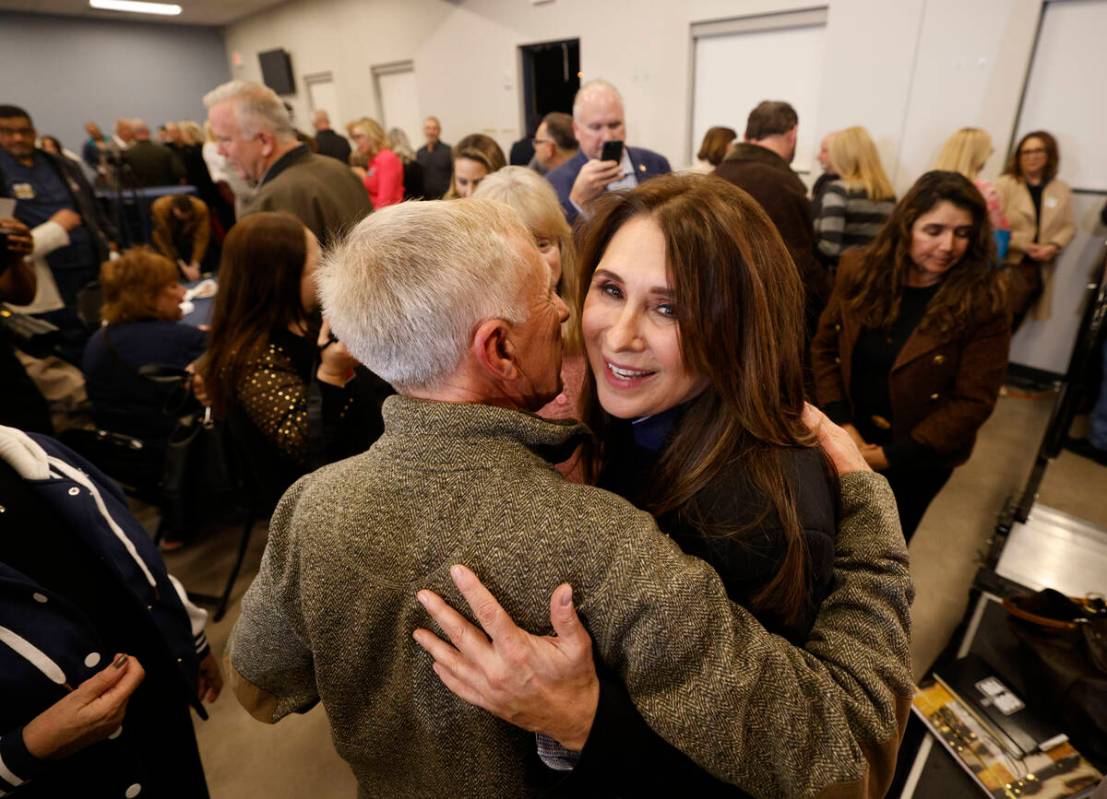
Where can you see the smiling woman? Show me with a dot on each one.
(912, 348)
(692, 324)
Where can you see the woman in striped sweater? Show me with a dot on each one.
(855, 206)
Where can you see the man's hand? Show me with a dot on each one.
(20, 243)
(874, 456)
(544, 684)
(836, 442)
(87, 715)
(67, 219)
(591, 181)
(209, 679)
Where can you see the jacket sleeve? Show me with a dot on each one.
(18, 767)
(830, 224)
(276, 401)
(272, 671)
(159, 218)
(958, 415)
(776, 720)
(831, 392)
(201, 237)
(391, 182)
(47, 237)
(1062, 224)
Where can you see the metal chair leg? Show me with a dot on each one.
(220, 602)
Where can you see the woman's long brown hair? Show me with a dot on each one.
(739, 306)
(259, 295)
(971, 286)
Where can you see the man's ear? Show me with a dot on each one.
(268, 143)
(493, 349)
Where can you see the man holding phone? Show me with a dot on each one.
(604, 162)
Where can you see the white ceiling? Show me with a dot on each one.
(195, 12)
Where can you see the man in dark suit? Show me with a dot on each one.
(327, 141)
(760, 166)
(150, 164)
(598, 117)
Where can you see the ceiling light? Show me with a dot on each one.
(134, 7)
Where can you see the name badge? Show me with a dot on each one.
(1051, 202)
(23, 191)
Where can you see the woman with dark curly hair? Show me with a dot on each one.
(912, 348)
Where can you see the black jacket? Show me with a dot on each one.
(770, 181)
(623, 756)
(327, 142)
(80, 580)
(152, 165)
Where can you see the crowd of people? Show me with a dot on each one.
(432, 362)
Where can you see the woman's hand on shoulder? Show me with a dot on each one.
(837, 443)
(545, 684)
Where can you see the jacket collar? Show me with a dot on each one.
(293, 156)
(439, 433)
(23, 454)
(744, 151)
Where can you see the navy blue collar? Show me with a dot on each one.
(653, 432)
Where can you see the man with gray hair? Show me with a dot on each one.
(598, 117)
(255, 135)
(452, 303)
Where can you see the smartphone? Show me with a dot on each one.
(612, 151)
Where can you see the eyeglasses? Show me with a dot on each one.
(1033, 151)
(543, 141)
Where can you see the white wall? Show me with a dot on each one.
(911, 71)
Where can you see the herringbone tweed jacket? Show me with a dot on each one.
(331, 613)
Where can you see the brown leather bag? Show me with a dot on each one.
(1065, 643)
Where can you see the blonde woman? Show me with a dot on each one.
(535, 201)
(966, 152)
(191, 132)
(383, 175)
(1039, 206)
(475, 157)
(856, 205)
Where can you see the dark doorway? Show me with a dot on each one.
(551, 77)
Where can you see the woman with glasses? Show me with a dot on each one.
(1039, 209)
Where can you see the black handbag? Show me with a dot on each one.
(1065, 657)
(197, 481)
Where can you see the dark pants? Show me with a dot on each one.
(915, 486)
(1024, 286)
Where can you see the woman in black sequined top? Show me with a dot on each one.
(287, 388)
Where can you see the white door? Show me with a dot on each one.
(399, 103)
(322, 95)
(732, 76)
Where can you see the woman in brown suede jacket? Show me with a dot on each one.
(912, 348)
